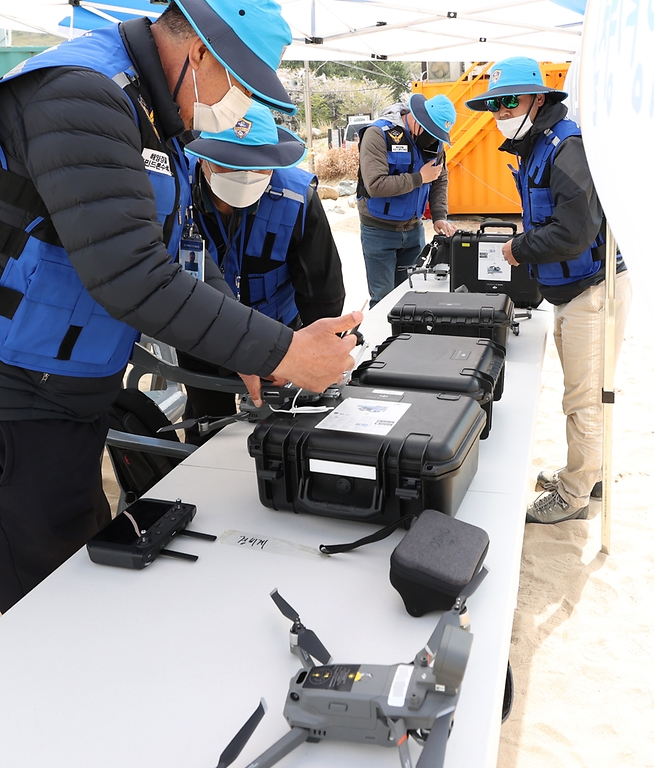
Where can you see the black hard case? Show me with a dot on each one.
(464, 267)
(427, 460)
(472, 367)
(453, 314)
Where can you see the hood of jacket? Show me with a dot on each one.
(395, 113)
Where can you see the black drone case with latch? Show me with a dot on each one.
(453, 314)
(362, 462)
(436, 560)
(477, 263)
(467, 366)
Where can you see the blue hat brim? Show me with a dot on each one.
(235, 56)
(288, 152)
(419, 112)
(479, 102)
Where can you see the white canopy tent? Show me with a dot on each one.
(434, 30)
(430, 30)
(78, 16)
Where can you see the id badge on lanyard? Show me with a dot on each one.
(191, 252)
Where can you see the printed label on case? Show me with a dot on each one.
(370, 417)
(491, 265)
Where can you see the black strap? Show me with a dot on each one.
(382, 533)
(68, 342)
(9, 301)
(12, 242)
(21, 193)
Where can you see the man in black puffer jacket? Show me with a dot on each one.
(93, 195)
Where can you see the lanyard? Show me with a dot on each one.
(234, 248)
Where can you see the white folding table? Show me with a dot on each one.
(108, 667)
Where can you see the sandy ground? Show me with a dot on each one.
(583, 630)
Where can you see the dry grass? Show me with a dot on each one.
(337, 164)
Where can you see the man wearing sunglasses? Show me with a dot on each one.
(563, 244)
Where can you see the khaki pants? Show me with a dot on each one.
(579, 338)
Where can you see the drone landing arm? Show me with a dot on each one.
(303, 656)
(398, 728)
(281, 748)
(433, 753)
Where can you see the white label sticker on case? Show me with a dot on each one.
(369, 417)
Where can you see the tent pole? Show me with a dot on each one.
(307, 114)
(608, 394)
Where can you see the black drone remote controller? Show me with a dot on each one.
(139, 534)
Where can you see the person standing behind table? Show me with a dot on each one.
(264, 225)
(563, 244)
(401, 168)
(94, 184)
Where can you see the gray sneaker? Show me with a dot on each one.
(550, 508)
(548, 479)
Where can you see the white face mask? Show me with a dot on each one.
(515, 127)
(240, 189)
(222, 115)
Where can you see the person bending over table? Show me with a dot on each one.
(95, 185)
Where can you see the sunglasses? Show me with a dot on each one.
(510, 102)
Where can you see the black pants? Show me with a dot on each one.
(51, 498)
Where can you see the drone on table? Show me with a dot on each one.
(366, 703)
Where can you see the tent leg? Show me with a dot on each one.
(608, 394)
(307, 114)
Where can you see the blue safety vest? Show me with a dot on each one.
(48, 320)
(273, 222)
(403, 157)
(532, 180)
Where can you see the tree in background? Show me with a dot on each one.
(395, 74)
(339, 89)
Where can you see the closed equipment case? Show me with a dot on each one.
(453, 314)
(460, 364)
(376, 457)
(477, 263)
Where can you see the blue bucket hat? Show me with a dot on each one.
(248, 38)
(513, 77)
(255, 143)
(436, 115)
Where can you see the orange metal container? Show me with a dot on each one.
(480, 181)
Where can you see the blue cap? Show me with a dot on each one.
(248, 37)
(436, 115)
(513, 77)
(255, 143)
